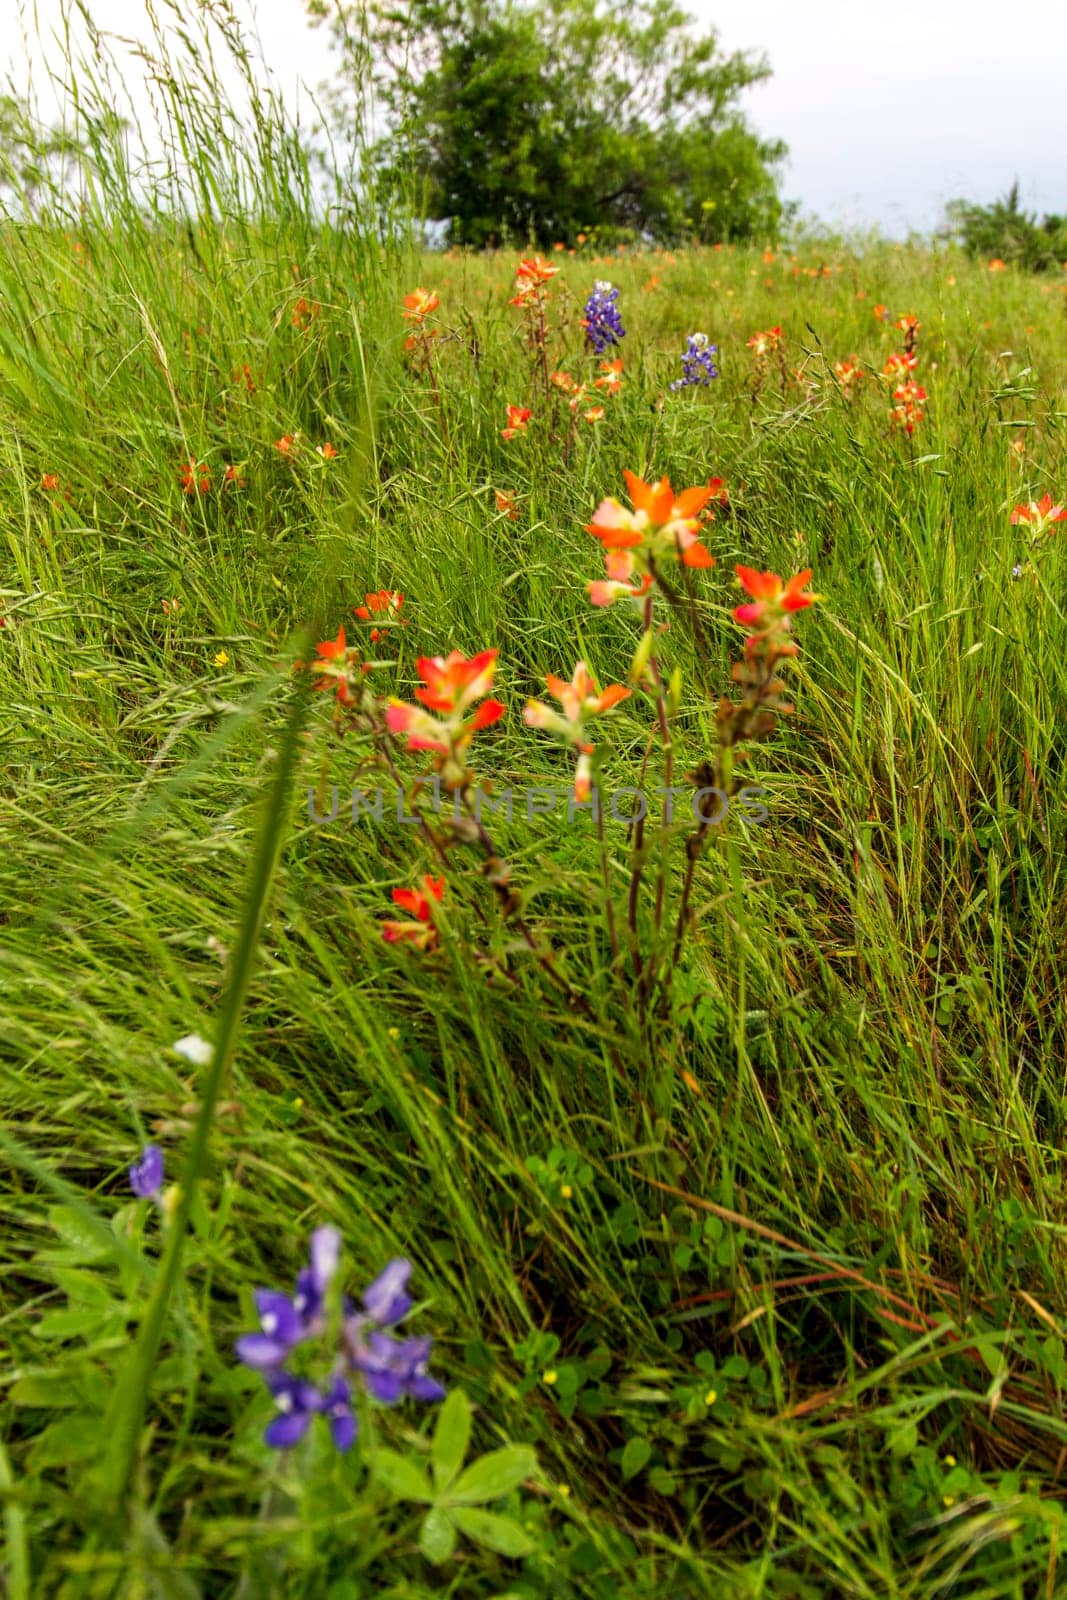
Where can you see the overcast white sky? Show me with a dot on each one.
(889, 107)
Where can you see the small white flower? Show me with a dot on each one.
(194, 1049)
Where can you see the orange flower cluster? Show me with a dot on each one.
(450, 686)
(338, 663)
(762, 344)
(610, 376)
(1040, 516)
(771, 603)
(420, 304)
(848, 374)
(422, 933)
(384, 603)
(579, 396)
(518, 417)
(580, 700)
(908, 395)
(304, 313)
(195, 477)
(662, 527)
(531, 278)
(769, 342)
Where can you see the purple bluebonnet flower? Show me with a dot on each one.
(146, 1174)
(603, 324)
(393, 1368)
(297, 1403)
(337, 1406)
(313, 1281)
(281, 1327)
(387, 1300)
(388, 1368)
(697, 365)
(285, 1322)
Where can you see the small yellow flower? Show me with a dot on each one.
(222, 659)
(564, 1489)
(566, 1191)
(711, 1397)
(950, 1461)
(948, 1499)
(550, 1376)
(394, 1033)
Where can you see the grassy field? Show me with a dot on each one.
(763, 1259)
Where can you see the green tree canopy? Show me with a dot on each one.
(540, 120)
(1004, 229)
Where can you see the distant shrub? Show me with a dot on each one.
(1002, 230)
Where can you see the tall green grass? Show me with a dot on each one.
(824, 1291)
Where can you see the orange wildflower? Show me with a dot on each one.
(518, 417)
(419, 902)
(907, 410)
(450, 685)
(334, 662)
(195, 477)
(420, 303)
(1039, 515)
(505, 501)
(900, 365)
(384, 603)
(580, 698)
(536, 270)
(848, 373)
(304, 311)
(285, 444)
(772, 599)
(610, 379)
(762, 344)
(661, 525)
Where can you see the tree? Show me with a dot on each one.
(32, 157)
(537, 121)
(1005, 230)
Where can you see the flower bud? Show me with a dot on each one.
(642, 656)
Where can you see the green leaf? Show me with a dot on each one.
(404, 1478)
(437, 1536)
(84, 1233)
(663, 1481)
(53, 1391)
(76, 1438)
(502, 1534)
(635, 1456)
(451, 1438)
(493, 1476)
(71, 1324)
